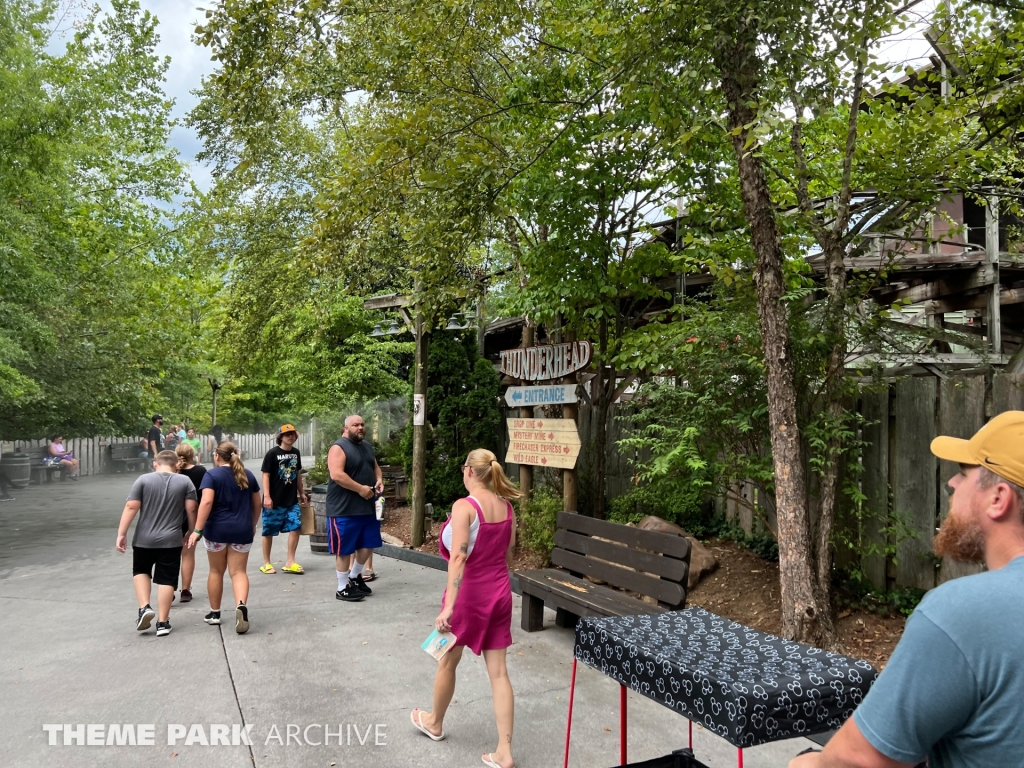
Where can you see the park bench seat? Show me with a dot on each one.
(645, 563)
(125, 457)
(42, 471)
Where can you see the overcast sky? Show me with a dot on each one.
(189, 62)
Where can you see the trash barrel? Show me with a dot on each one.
(17, 466)
(318, 540)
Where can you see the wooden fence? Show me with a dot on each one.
(92, 453)
(899, 476)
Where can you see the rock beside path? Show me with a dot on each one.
(702, 562)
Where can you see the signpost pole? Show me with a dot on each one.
(525, 470)
(569, 479)
(419, 431)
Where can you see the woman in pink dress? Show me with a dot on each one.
(477, 540)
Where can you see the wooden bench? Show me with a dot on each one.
(42, 471)
(651, 564)
(125, 456)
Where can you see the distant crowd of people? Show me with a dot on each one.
(156, 440)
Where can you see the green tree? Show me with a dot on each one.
(86, 174)
(462, 390)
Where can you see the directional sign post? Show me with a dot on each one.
(552, 394)
(543, 442)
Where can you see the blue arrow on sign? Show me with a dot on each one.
(517, 395)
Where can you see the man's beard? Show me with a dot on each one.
(960, 539)
(357, 439)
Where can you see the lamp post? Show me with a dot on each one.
(216, 387)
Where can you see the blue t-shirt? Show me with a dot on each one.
(954, 685)
(230, 520)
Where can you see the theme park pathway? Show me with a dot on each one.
(71, 656)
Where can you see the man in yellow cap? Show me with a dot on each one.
(282, 490)
(952, 690)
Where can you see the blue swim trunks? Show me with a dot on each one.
(347, 534)
(281, 520)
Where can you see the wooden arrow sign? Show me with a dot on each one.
(543, 442)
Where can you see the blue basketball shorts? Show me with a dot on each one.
(347, 534)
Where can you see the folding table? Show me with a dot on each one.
(746, 686)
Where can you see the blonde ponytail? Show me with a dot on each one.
(488, 471)
(186, 454)
(229, 455)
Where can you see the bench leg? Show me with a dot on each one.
(565, 619)
(533, 613)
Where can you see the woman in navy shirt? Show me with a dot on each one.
(229, 510)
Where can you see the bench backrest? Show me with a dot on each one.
(124, 451)
(650, 563)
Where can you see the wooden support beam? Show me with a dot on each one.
(977, 330)
(993, 316)
(934, 358)
(979, 301)
(390, 301)
(979, 277)
(621, 390)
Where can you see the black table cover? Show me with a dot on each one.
(749, 687)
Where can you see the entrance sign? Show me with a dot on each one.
(550, 361)
(543, 442)
(553, 394)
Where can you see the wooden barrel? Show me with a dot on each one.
(318, 540)
(17, 467)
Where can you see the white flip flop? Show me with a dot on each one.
(489, 762)
(417, 723)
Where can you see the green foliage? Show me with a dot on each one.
(462, 415)
(681, 503)
(90, 337)
(536, 520)
(855, 594)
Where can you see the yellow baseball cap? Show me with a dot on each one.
(285, 429)
(998, 446)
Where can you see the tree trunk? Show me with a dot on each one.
(833, 412)
(806, 616)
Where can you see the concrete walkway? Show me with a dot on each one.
(71, 655)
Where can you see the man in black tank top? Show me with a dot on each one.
(352, 524)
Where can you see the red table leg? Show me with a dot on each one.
(739, 764)
(568, 726)
(690, 724)
(622, 726)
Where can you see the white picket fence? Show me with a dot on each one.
(92, 453)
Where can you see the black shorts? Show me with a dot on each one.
(162, 565)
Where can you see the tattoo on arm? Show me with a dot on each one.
(458, 582)
(464, 549)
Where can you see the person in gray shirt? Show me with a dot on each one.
(162, 500)
(953, 688)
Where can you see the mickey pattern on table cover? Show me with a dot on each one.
(749, 687)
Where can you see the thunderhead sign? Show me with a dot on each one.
(551, 361)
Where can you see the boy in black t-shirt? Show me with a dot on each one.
(282, 491)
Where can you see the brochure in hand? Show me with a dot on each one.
(437, 645)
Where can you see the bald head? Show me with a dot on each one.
(355, 428)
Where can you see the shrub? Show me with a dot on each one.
(537, 519)
(680, 503)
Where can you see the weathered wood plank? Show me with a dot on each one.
(580, 596)
(961, 414)
(666, 567)
(1007, 392)
(914, 474)
(664, 591)
(667, 544)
